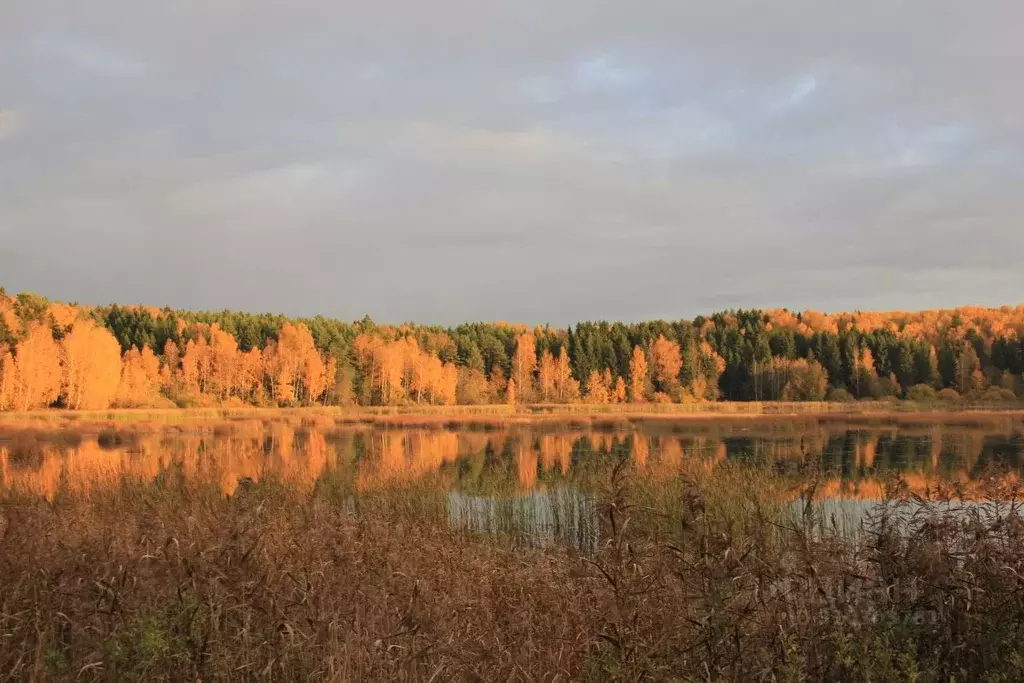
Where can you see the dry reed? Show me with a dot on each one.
(702, 577)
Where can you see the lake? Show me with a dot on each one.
(544, 481)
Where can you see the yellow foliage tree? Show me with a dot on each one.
(638, 376)
(62, 317)
(224, 380)
(294, 366)
(524, 362)
(90, 360)
(598, 390)
(668, 362)
(567, 389)
(547, 376)
(140, 379)
(619, 391)
(35, 370)
(7, 375)
(498, 382)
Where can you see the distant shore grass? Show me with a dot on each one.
(573, 416)
(710, 408)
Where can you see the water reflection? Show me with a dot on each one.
(514, 462)
(545, 516)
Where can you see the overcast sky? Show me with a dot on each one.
(534, 161)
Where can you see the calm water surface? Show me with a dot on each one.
(537, 482)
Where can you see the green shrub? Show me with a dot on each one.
(839, 395)
(922, 393)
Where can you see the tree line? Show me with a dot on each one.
(54, 354)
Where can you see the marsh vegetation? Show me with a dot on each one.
(814, 548)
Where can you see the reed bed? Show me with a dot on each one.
(697, 575)
(75, 424)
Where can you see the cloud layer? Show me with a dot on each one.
(532, 161)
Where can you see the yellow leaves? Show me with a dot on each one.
(8, 374)
(567, 389)
(225, 363)
(34, 373)
(400, 369)
(547, 376)
(407, 364)
(90, 366)
(472, 386)
(619, 391)
(62, 316)
(498, 381)
(638, 376)
(524, 362)
(668, 362)
(447, 385)
(599, 387)
(819, 322)
(140, 379)
(195, 366)
(314, 376)
(708, 357)
(931, 326)
(250, 373)
(296, 371)
(866, 361)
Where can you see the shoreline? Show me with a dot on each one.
(493, 417)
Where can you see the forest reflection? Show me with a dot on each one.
(855, 461)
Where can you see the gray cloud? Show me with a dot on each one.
(530, 161)
(8, 123)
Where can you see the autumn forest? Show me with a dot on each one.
(77, 357)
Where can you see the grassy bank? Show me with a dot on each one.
(703, 577)
(498, 416)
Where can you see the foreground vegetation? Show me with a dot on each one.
(701, 574)
(92, 358)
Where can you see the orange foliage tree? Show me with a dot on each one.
(638, 376)
(668, 362)
(498, 382)
(778, 354)
(599, 389)
(705, 367)
(7, 376)
(62, 317)
(524, 362)
(618, 394)
(400, 369)
(34, 373)
(140, 379)
(224, 378)
(90, 360)
(547, 376)
(567, 389)
(295, 368)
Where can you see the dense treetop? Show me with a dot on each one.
(65, 355)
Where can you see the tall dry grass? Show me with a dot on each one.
(417, 411)
(713, 418)
(702, 576)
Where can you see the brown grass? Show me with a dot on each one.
(75, 424)
(701, 578)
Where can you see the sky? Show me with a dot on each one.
(529, 161)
